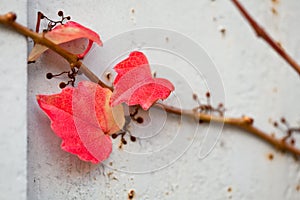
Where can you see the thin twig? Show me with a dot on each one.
(244, 123)
(265, 36)
(90, 75)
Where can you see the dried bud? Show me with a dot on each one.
(195, 97)
(208, 94)
(293, 141)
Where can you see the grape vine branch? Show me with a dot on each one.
(260, 32)
(244, 123)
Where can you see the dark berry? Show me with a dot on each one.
(60, 13)
(132, 138)
(62, 85)
(123, 141)
(139, 120)
(49, 75)
(207, 94)
(114, 136)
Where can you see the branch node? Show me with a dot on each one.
(248, 120)
(11, 17)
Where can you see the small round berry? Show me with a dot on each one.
(114, 136)
(139, 120)
(60, 13)
(62, 85)
(207, 94)
(132, 138)
(123, 141)
(49, 75)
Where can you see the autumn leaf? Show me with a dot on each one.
(134, 83)
(134, 60)
(84, 120)
(66, 33)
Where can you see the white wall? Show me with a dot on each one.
(13, 87)
(257, 82)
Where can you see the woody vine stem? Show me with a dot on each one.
(245, 123)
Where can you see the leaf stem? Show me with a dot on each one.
(244, 123)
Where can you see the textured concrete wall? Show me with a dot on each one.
(256, 82)
(13, 87)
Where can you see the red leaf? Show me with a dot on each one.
(66, 33)
(134, 83)
(83, 119)
(134, 60)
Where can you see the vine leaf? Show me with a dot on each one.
(135, 85)
(66, 33)
(84, 120)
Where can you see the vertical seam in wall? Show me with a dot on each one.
(27, 50)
